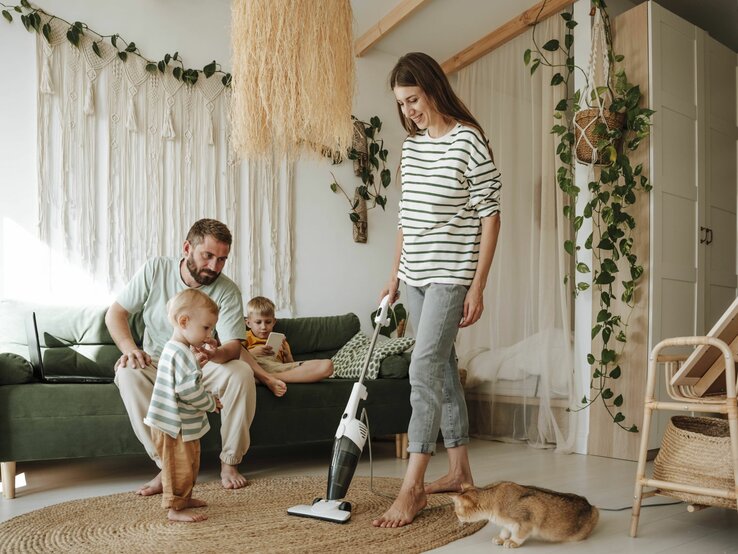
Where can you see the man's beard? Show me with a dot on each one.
(204, 277)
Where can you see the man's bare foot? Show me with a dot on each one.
(152, 487)
(406, 506)
(196, 503)
(184, 515)
(231, 478)
(277, 387)
(449, 483)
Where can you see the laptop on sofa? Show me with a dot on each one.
(34, 349)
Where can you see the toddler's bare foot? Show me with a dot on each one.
(277, 387)
(196, 503)
(152, 487)
(184, 515)
(449, 483)
(406, 506)
(231, 478)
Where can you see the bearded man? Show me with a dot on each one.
(205, 252)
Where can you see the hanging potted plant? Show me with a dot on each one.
(600, 125)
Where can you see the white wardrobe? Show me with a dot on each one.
(688, 235)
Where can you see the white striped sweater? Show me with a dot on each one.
(179, 401)
(448, 184)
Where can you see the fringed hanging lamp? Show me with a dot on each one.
(293, 77)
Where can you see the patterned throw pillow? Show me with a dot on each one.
(348, 362)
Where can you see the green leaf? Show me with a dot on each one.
(534, 66)
(73, 36)
(566, 16)
(605, 298)
(123, 56)
(167, 57)
(633, 429)
(131, 47)
(569, 246)
(25, 4)
(582, 267)
(607, 394)
(571, 24)
(595, 331)
(114, 40)
(569, 39)
(618, 400)
(334, 187)
(386, 177)
(615, 372)
(227, 79)
(6, 15)
(209, 69)
(618, 417)
(603, 315)
(526, 56)
(175, 56)
(381, 201)
(46, 31)
(584, 399)
(557, 79)
(354, 217)
(582, 286)
(552, 45)
(561, 106)
(162, 66)
(604, 278)
(177, 73)
(151, 67)
(619, 58)
(608, 356)
(96, 49)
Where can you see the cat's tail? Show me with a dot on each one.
(588, 523)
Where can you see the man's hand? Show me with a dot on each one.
(218, 405)
(135, 359)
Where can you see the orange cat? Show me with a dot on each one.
(525, 512)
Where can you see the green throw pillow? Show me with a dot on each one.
(15, 369)
(348, 362)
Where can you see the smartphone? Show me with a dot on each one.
(275, 341)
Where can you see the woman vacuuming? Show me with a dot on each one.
(447, 235)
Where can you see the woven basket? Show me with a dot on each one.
(696, 451)
(584, 126)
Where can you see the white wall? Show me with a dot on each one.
(332, 273)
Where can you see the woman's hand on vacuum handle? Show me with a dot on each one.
(392, 290)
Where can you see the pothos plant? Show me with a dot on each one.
(369, 156)
(612, 197)
(31, 19)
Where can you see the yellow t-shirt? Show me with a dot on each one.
(283, 355)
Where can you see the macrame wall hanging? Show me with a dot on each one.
(129, 159)
(293, 77)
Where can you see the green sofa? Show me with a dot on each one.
(41, 421)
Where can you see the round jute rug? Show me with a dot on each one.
(253, 519)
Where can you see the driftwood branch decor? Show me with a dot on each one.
(293, 76)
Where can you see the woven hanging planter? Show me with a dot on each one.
(586, 139)
(293, 77)
(696, 451)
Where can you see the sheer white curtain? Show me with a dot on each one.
(519, 355)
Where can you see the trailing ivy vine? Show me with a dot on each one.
(32, 21)
(612, 196)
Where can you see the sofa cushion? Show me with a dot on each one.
(74, 339)
(14, 369)
(395, 366)
(317, 337)
(349, 361)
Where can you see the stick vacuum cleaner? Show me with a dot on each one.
(350, 438)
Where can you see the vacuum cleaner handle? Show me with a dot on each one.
(382, 318)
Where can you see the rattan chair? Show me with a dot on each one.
(709, 369)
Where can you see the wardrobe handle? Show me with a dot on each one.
(708, 236)
(703, 239)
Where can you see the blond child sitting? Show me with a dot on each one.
(176, 414)
(277, 368)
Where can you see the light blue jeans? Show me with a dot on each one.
(436, 396)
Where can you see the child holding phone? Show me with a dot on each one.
(278, 367)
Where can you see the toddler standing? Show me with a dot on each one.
(178, 404)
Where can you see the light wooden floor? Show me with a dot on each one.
(606, 483)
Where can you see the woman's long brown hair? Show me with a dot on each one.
(417, 69)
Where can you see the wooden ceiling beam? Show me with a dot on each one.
(393, 18)
(501, 35)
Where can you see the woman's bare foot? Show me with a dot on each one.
(152, 487)
(449, 483)
(231, 478)
(196, 503)
(277, 387)
(406, 506)
(184, 515)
